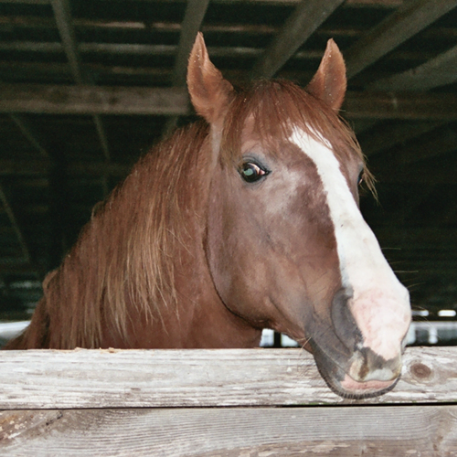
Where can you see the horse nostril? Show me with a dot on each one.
(368, 366)
(343, 321)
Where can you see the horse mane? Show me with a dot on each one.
(124, 255)
(276, 107)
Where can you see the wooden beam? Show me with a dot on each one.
(383, 4)
(409, 19)
(385, 137)
(92, 100)
(33, 167)
(437, 72)
(413, 430)
(246, 52)
(407, 106)
(193, 19)
(16, 227)
(439, 142)
(201, 378)
(63, 99)
(27, 2)
(58, 209)
(102, 136)
(62, 14)
(411, 239)
(415, 174)
(307, 17)
(27, 131)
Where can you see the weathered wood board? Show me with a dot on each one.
(387, 431)
(186, 378)
(225, 403)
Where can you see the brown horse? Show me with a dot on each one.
(247, 220)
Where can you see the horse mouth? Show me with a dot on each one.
(341, 383)
(366, 389)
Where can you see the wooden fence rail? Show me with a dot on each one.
(260, 402)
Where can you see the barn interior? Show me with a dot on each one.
(87, 86)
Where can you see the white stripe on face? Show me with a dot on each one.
(380, 304)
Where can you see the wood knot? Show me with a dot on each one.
(421, 371)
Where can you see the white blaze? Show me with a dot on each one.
(380, 303)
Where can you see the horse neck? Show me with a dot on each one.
(195, 316)
(81, 302)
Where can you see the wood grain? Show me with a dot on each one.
(186, 378)
(228, 432)
(61, 99)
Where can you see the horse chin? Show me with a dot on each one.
(356, 389)
(343, 385)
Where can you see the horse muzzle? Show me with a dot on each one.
(364, 374)
(346, 358)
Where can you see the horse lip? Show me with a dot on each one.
(349, 388)
(340, 382)
(365, 389)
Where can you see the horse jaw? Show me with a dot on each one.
(209, 91)
(329, 83)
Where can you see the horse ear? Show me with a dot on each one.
(330, 82)
(209, 91)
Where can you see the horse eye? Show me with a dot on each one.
(360, 178)
(251, 172)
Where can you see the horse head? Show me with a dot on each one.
(286, 244)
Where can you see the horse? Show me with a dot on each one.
(244, 220)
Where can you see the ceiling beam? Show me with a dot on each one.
(385, 137)
(303, 22)
(407, 106)
(14, 223)
(434, 73)
(389, 4)
(36, 167)
(193, 19)
(64, 99)
(62, 14)
(420, 173)
(166, 50)
(439, 142)
(437, 72)
(409, 19)
(27, 131)
(409, 238)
